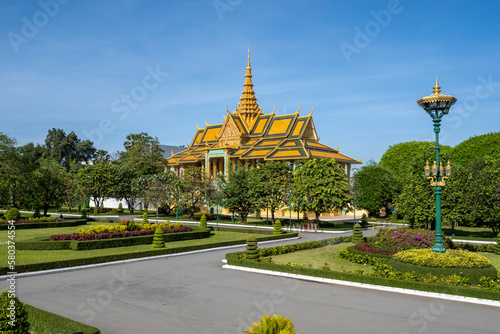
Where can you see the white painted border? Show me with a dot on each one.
(369, 286)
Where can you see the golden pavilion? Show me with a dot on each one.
(248, 136)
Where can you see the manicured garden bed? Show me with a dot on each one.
(375, 269)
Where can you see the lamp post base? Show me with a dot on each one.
(438, 248)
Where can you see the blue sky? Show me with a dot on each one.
(105, 69)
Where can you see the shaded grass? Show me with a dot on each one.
(317, 257)
(471, 233)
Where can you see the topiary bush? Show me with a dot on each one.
(252, 253)
(96, 210)
(357, 235)
(84, 214)
(120, 208)
(450, 259)
(277, 228)
(145, 217)
(276, 324)
(13, 214)
(203, 221)
(13, 315)
(158, 239)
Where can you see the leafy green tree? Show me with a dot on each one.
(49, 184)
(476, 147)
(237, 193)
(100, 180)
(323, 183)
(142, 154)
(67, 149)
(416, 203)
(160, 188)
(72, 193)
(375, 188)
(126, 187)
(194, 188)
(270, 184)
(10, 169)
(400, 159)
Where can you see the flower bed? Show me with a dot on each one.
(403, 238)
(126, 226)
(450, 259)
(113, 235)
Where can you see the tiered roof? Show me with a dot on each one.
(249, 134)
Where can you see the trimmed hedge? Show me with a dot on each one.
(43, 245)
(245, 230)
(473, 274)
(43, 322)
(64, 223)
(232, 259)
(133, 255)
(132, 241)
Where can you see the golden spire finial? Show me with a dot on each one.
(437, 89)
(248, 108)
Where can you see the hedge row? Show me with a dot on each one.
(232, 259)
(133, 255)
(473, 274)
(244, 230)
(108, 243)
(43, 322)
(64, 223)
(141, 240)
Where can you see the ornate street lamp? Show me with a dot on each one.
(437, 105)
(354, 170)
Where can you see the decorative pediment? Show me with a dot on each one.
(230, 135)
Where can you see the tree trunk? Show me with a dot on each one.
(317, 216)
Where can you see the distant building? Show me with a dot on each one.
(249, 136)
(169, 150)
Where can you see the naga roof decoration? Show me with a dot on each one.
(247, 133)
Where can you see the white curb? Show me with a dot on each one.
(444, 296)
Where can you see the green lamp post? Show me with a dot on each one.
(437, 105)
(354, 170)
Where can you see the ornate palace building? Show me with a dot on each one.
(248, 136)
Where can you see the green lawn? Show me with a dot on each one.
(24, 257)
(471, 233)
(495, 259)
(316, 258)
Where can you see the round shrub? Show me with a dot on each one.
(203, 221)
(158, 239)
(252, 253)
(11, 306)
(13, 214)
(277, 228)
(272, 325)
(450, 259)
(357, 235)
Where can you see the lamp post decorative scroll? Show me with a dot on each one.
(437, 105)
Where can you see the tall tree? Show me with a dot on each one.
(67, 149)
(49, 184)
(99, 180)
(375, 188)
(270, 183)
(323, 183)
(195, 187)
(237, 193)
(143, 154)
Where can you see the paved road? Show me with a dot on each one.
(192, 294)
